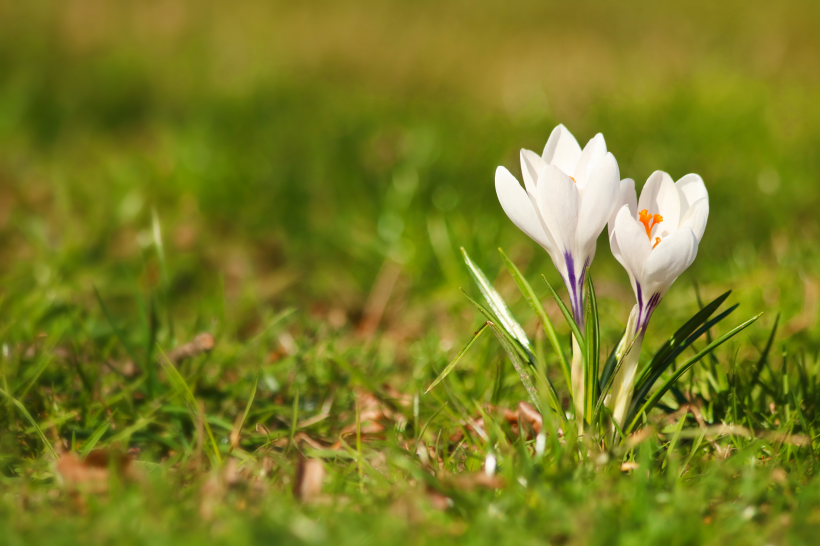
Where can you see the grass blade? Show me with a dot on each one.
(608, 370)
(567, 316)
(764, 355)
(518, 356)
(680, 335)
(128, 348)
(610, 375)
(496, 303)
(592, 349)
(656, 396)
(692, 452)
(517, 362)
(94, 438)
(31, 420)
(456, 360)
(525, 354)
(235, 433)
(538, 308)
(184, 391)
(163, 268)
(642, 387)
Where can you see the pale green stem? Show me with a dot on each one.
(623, 385)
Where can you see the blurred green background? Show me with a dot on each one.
(293, 150)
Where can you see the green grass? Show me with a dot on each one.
(297, 182)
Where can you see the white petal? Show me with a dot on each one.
(557, 199)
(668, 260)
(597, 202)
(562, 150)
(518, 206)
(691, 188)
(633, 243)
(660, 196)
(531, 165)
(695, 218)
(594, 151)
(626, 196)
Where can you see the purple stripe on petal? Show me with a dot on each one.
(570, 269)
(573, 286)
(646, 314)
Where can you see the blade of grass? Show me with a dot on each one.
(681, 335)
(538, 308)
(611, 377)
(54, 421)
(128, 348)
(517, 362)
(456, 360)
(496, 302)
(126, 433)
(359, 466)
(548, 397)
(31, 420)
(42, 363)
(526, 355)
(609, 368)
(94, 438)
(427, 424)
(764, 356)
(643, 387)
(520, 360)
(238, 431)
(184, 391)
(592, 349)
(295, 419)
(163, 268)
(695, 447)
(150, 362)
(674, 441)
(567, 316)
(44, 358)
(656, 396)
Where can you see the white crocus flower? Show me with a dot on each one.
(655, 238)
(568, 196)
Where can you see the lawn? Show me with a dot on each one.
(231, 267)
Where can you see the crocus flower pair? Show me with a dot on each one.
(569, 195)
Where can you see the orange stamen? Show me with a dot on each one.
(657, 241)
(573, 179)
(649, 221)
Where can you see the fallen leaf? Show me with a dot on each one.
(309, 476)
(91, 475)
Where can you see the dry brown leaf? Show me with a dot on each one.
(309, 476)
(91, 475)
(374, 416)
(202, 343)
(78, 475)
(638, 437)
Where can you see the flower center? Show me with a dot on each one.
(649, 221)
